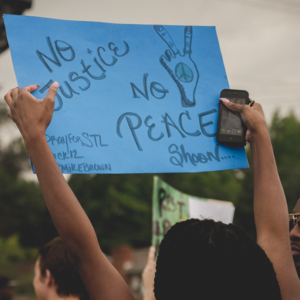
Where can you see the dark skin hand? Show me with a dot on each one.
(270, 207)
(102, 281)
(32, 117)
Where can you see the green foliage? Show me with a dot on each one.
(22, 208)
(16, 262)
(23, 211)
(222, 185)
(11, 251)
(3, 112)
(285, 134)
(120, 207)
(14, 158)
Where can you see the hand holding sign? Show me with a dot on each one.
(253, 117)
(181, 67)
(31, 115)
(100, 105)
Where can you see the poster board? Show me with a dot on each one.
(132, 98)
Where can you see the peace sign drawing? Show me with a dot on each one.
(181, 67)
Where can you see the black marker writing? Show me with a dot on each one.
(67, 155)
(181, 156)
(156, 89)
(134, 122)
(84, 168)
(94, 69)
(83, 140)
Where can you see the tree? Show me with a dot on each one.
(120, 206)
(22, 208)
(285, 134)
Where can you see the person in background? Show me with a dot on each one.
(175, 264)
(148, 275)
(6, 291)
(295, 235)
(55, 274)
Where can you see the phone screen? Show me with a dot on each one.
(231, 123)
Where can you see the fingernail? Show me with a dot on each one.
(55, 84)
(224, 100)
(38, 86)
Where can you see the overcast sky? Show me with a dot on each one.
(259, 40)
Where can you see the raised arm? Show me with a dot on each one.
(270, 207)
(32, 117)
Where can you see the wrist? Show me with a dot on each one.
(262, 134)
(34, 141)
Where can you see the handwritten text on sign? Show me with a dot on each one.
(132, 98)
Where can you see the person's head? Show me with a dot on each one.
(6, 292)
(295, 235)
(211, 260)
(56, 273)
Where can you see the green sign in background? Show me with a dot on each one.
(169, 207)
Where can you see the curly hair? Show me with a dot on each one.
(204, 259)
(55, 257)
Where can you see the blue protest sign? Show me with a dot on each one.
(132, 98)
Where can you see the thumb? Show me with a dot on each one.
(31, 88)
(50, 97)
(233, 106)
(52, 90)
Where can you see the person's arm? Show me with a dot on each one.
(32, 117)
(270, 207)
(148, 276)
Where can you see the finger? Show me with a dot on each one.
(23, 93)
(8, 97)
(248, 135)
(188, 33)
(151, 255)
(25, 89)
(31, 88)
(163, 33)
(9, 114)
(233, 106)
(49, 100)
(52, 90)
(15, 93)
(168, 55)
(258, 108)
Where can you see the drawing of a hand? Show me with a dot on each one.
(181, 67)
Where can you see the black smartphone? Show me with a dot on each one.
(231, 129)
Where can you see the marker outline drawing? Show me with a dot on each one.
(180, 66)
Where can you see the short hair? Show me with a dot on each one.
(204, 259)
(55, 257)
